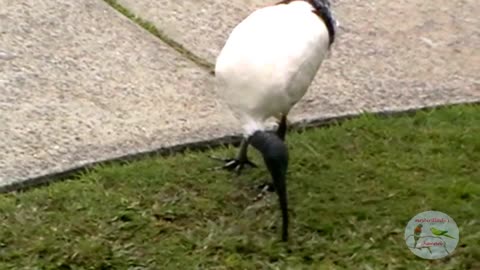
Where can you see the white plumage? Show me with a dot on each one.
(269, 61)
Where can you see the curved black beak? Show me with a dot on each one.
(275, 156)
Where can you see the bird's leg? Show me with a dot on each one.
(238, 163)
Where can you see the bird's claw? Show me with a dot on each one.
(234, 164)
(267, 186)
(264, 188)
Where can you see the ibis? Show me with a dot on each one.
(265, 67)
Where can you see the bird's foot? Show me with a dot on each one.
(234, 164)
(267, 186)
(264, 188)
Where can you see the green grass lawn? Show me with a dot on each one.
(352, 189)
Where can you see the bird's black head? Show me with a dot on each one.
(275, 156)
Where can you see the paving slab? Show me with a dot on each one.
(389, 55)
(80, 83)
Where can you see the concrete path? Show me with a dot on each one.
(390, 55)
(81, 83)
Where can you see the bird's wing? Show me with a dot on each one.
(447, 235)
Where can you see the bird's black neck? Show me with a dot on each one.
(275, 156)
(322, 9)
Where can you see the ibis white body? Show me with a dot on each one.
(269, 61)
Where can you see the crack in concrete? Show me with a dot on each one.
(152, 29)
